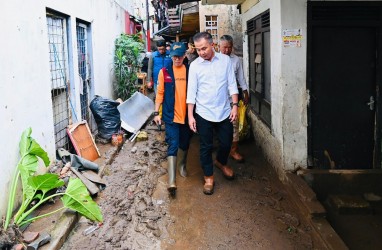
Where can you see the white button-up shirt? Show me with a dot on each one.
(239, 73)
(210, 83)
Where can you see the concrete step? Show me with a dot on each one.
(349, 204)
(306, 200)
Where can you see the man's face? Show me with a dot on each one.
(177, 60)
(225, 47)
(162, 50)
(204, 49)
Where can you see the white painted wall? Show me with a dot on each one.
(25, 88)
(293, 80)
(285, 143)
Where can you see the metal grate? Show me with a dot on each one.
(84, 71)
(58, 71)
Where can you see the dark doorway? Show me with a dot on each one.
(344, 40)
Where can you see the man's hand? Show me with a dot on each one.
(150, 84)
(191, 118)
(246, 97)
(192, 123)
(158, 120)
(233, 114)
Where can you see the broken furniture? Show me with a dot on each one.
(83, 142)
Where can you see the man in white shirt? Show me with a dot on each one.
(225, 46)
(211, 80)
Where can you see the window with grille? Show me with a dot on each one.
(58, 52)
(212, 27)
(84, 70)
(258, 31)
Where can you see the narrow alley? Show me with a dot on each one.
(89, 76)
(251, 212)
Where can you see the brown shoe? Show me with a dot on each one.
(234, 154)
(208, 187)
(227, 171)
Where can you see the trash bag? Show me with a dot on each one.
(244, 128)
(106, 115)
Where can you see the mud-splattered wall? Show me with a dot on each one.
(229, 22)
(285, 142)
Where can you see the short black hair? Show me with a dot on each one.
(202, 35)
(161, 43)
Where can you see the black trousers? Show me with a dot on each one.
(224, 131)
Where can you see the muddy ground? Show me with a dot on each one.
(251, 212)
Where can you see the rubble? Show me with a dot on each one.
(130, 214)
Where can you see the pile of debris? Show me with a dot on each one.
(132, 218)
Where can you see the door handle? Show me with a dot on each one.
(371, 103)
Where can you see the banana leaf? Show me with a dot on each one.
(78, 199)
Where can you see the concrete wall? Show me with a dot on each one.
(285, 143)
(229, 22)
(25, 87)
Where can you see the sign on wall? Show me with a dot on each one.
(292, 37)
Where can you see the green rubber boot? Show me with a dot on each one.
(182, 160)
(171, 169)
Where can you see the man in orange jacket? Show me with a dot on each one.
(171, 94)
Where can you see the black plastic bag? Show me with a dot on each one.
(106, 115)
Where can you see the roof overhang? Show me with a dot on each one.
(168, 31)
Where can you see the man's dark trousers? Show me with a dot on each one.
(224, 132)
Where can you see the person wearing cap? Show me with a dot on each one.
(159, 59)
(225, 46)
(171, 95)
(211, 82)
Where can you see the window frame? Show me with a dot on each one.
(209, 26)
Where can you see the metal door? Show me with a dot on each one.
(343, 86)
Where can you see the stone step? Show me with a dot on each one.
(349, 204)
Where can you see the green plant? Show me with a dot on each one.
(37, 187)
(127, 62)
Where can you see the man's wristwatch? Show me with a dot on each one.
(235, 104)
(155, 113)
